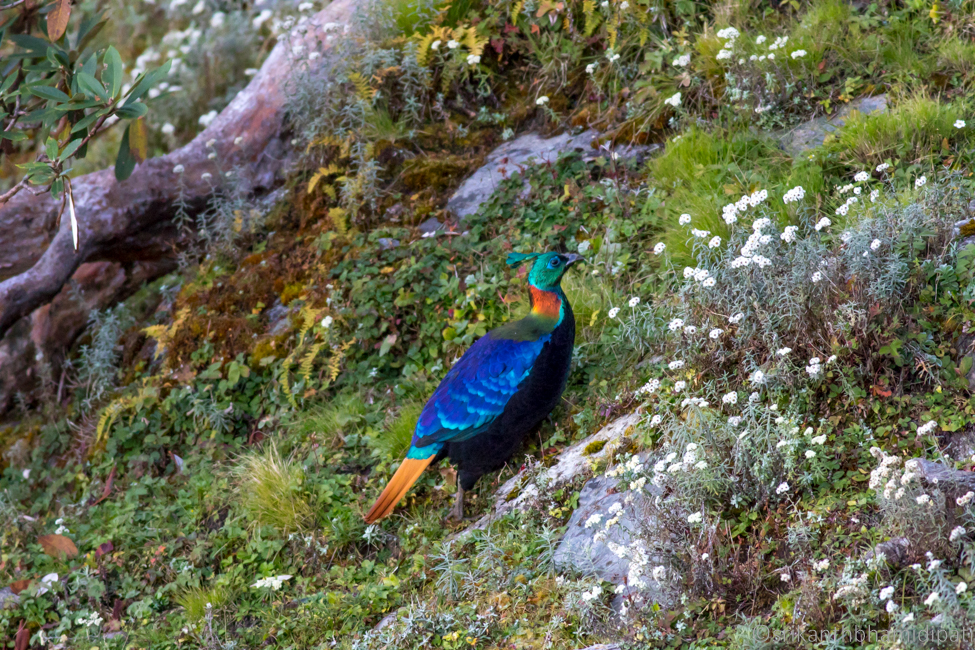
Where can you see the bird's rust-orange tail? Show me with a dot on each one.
(404, 478)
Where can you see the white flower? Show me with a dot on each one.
(452, 44)
(757, 377)
(207, 118)
(624, 5)
(590, 68)
(730, 398)
(734, 420)
(675, 324)
(436, 44)
(810, 454)
(709, 282)
(613, 312)
(584, 246)
(690, 330)
(273, 582)
(715, 242)
(178, 169)
(684, 219)
(594, 520)
(965, 500)
(655, 420)
(676, 365)
(823, 223)
(961, 588)
(817, 276)
(923, 500)
(679, 386)
(783, 351)
(728, 33)
(715, 333)
(874, 195)
(473, 59)
(634, 301)
(168, 129)
(920, 182)
(682, 61)
(908, 619)
(892, 607)
(956, 533)
(783, 488)
(819, 440)
(794, 195)
(932, 598)
(959, 124)
(882, 167)
(261, 18)
(673, 100)
(737, 318)
(327, 322)
(875, 244)
(927, 428)
(694, 518)
(821, 565)
(541, 101)
(886, 593)
(861, 176)
(205, 176)
(659, 248)
(217, 19)
(798, 54)
(305, 6)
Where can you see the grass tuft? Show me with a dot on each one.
(194, 601)
(394, 442)
(270, 490)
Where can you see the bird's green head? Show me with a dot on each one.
(547, 268)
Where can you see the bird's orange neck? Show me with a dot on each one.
(546, 304)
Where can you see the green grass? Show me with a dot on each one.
(195, 600)
(270, 490)
(393, 442)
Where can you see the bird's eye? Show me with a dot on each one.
(554, 263)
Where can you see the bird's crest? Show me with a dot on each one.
(516, 259)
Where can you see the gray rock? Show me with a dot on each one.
(812, 133)
(386, 243)
(520, 491)
(579, 551)
(8, 598)
(603, 646)
(521, 152)
(895, 552)
(277, 317)
(945, 477)
(430, 225)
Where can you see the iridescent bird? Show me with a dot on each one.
(502, 388)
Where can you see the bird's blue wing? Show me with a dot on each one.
(476, 389)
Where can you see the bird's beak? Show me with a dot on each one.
(572, 258)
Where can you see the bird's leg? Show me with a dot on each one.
(457, 513)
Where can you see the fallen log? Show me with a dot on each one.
(132, 220)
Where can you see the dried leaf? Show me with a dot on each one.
(104, 549)
(57, 20)
(58, 546)
(139, 140)
(22, 640)
(18, 586)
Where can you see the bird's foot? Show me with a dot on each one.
(457, 512)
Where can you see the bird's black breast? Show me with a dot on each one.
(535, 398)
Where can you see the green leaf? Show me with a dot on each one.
(147, 81)
(133, 111)
(57, 187)
(114, 72)
(70, 148)
(86, 121)
(34, 46)
(51, 149)
(50, 93)
(8, 82)
(88, 31)
(125, 161)
(14, 136)
(92, 86)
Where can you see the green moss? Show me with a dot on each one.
(437, 173)
(594, 447)
(968, 229)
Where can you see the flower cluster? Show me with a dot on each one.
(271, 582)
